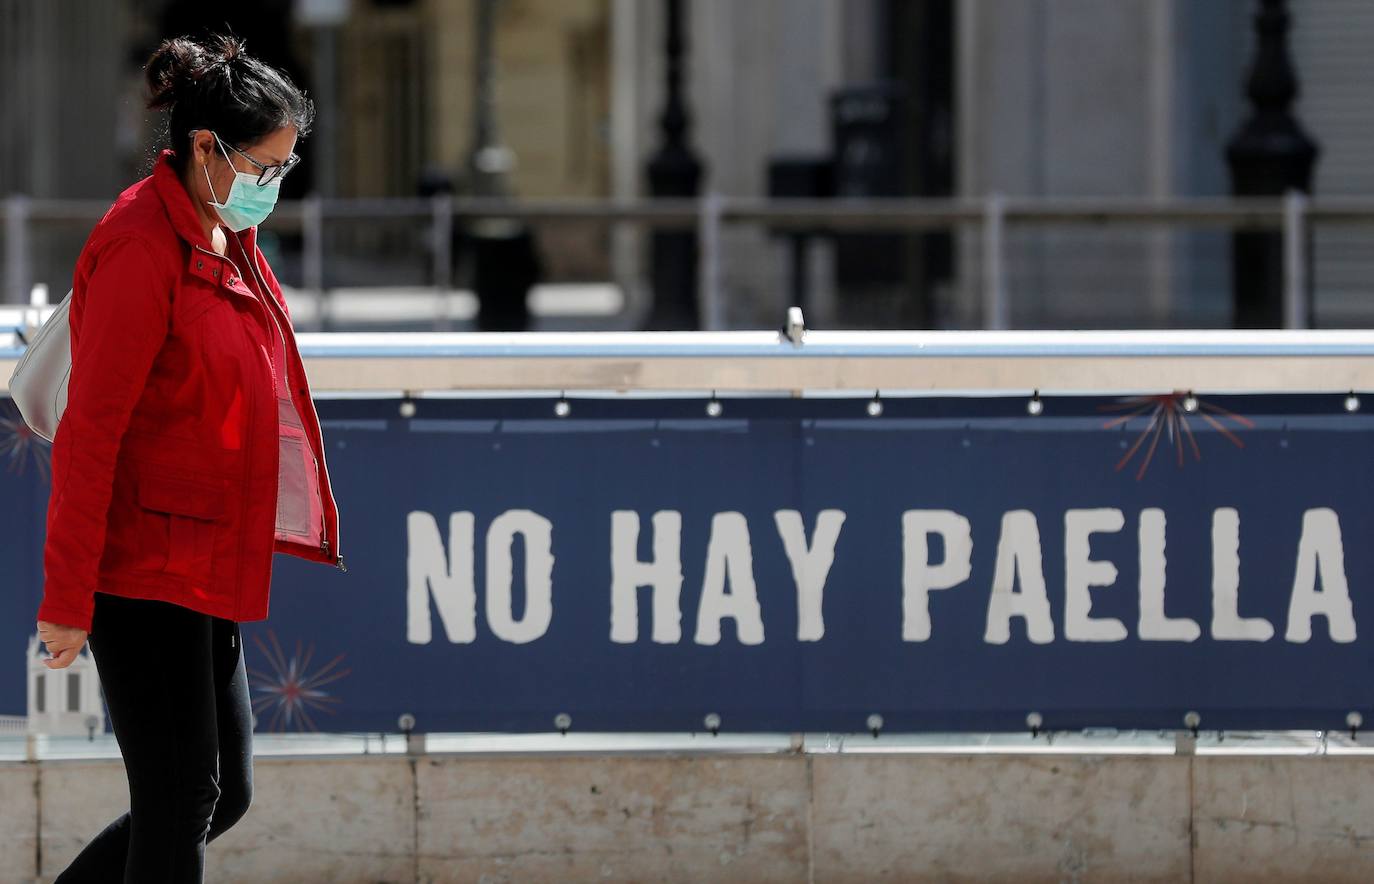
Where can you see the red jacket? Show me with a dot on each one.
(179, 428)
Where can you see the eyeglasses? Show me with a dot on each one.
(266, 173)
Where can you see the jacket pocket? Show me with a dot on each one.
(188, 510)
(293, 506)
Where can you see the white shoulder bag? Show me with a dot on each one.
(39, 382)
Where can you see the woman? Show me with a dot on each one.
(189, 452)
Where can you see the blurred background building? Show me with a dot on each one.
(1052, 99)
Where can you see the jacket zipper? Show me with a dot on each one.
(338, 559)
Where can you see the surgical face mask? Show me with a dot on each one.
(248, 203)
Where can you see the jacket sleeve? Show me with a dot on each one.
(119, 321)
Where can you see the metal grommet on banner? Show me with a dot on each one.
(875, 405)
(875, 724)
(1035, 407)
(1035, 721)
(713, 406)
(712, 722)
(561, 408)
(415, 743)
(562, 722)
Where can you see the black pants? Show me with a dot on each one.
(175, 684)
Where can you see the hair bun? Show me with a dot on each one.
(175, 63)
(180, 61)
(226, 48)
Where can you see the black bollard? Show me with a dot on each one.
(1269, 155)
(504, 253)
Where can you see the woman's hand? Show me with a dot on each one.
(63, 643)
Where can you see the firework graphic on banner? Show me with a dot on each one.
(1166, 416)
(19, 444)
(290, 692)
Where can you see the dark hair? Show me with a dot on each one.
(213, 84)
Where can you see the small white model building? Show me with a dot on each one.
(63, 701)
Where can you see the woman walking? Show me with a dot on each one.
(188, 453)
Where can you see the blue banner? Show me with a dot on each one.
(803, 564)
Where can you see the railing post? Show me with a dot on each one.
(441, 229)
(709, 304)
(17, 253)
(441, 232)
(38, 301)
(312, 246)
(995, 312)
(1295, 307)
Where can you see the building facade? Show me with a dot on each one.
(1025, 98)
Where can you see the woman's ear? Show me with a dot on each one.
(202, 146)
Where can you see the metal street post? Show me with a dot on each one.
(674, 171)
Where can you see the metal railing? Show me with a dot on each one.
(1295, 215)
(830, 362)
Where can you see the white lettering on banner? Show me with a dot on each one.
(1153, 625)
(728, 554)
(1227, 624)
(1081, 574)
(444, 575)
(1320, 546)
(810, 566)
(919, 576)
(1018, 558)
(449, 580)
(663, 573)
(537, 532)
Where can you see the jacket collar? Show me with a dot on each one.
(182, 211)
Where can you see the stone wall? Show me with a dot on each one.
(744, 817)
